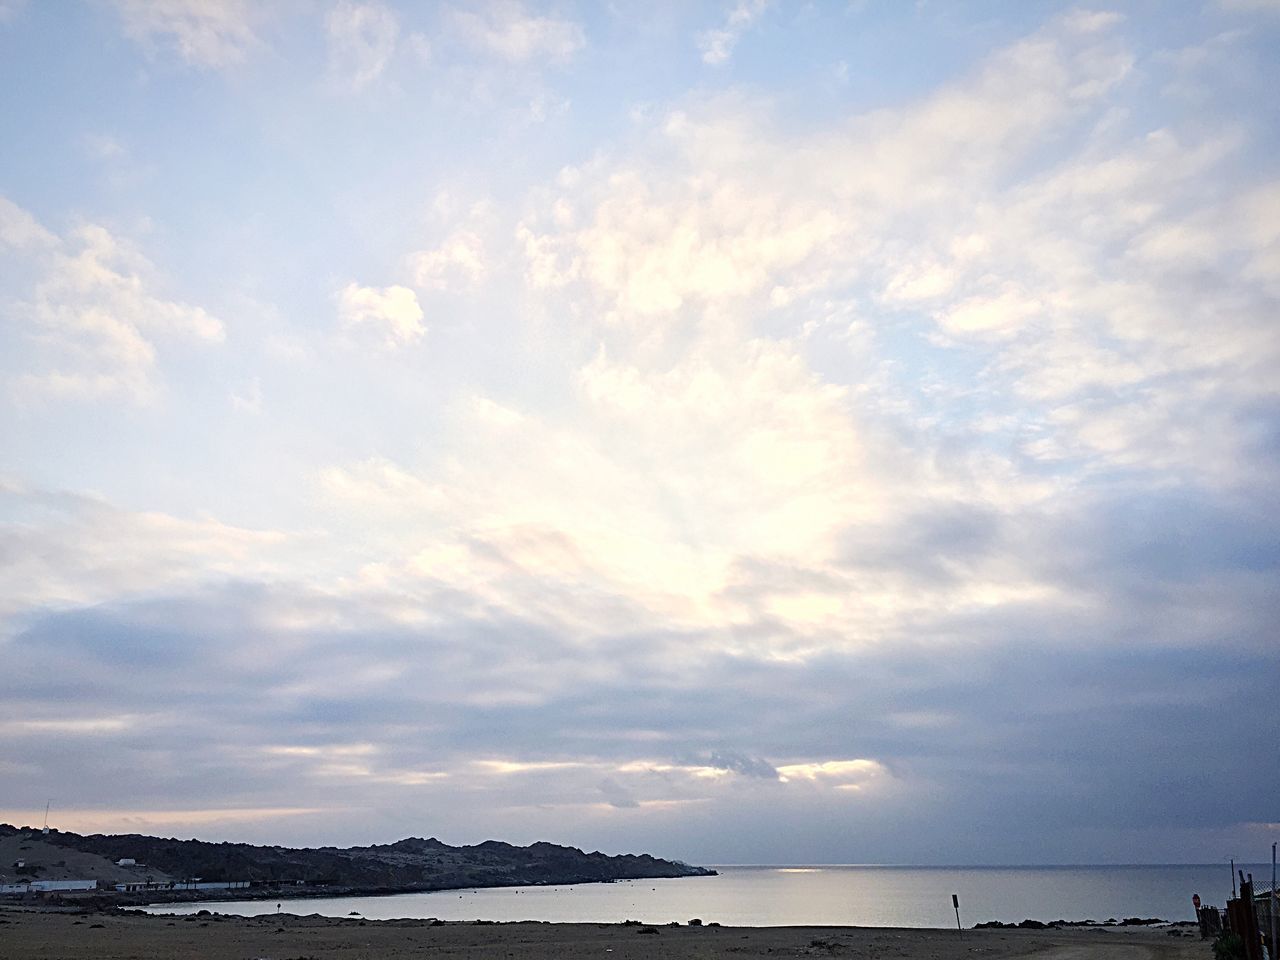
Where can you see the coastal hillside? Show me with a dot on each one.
(409, 864)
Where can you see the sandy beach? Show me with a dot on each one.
(40, 935)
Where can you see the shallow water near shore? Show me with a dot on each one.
(800, 895)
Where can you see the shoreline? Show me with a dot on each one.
(107, 899)
(35, 933)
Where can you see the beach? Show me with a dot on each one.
(46, 935)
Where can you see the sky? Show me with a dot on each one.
(745, 432)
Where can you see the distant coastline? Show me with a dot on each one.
(134, 869)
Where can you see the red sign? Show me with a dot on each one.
(1195, 900)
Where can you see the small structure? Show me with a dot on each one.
(48, 886)
(126, 862)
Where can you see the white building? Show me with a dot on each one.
(48, 886)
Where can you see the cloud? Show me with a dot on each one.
(362, 41)
(20, 230)
(104, 147)
(642, 508)
(706, 478)
(313, 692)
(999, 314)
(378, 485)
(470, 237)
(728, 223)
(60, 550)
(745, 765)
(506, 30)
(868, 469)
(248, 396)
(92, 312)
(458, 262)
(846, 774)
(206, 33)
(392, 310)
(717, 45)
(1082, 285)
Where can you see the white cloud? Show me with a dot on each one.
(93, 315)
(67, 550)
(664, 501)
(505, 29)
(458, 262)
(843, 774)
(708, 479)
(78, 726)
(718, 215)
(999, 314)
(206, 33)
(717, 45)
(380, 487)
(362, 40)
(394, 311)
(19, 229)
(104, 147)
(1108, 267)
(462, 258)
(707, 476)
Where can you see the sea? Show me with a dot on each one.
(881, 896)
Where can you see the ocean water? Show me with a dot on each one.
(818, 895)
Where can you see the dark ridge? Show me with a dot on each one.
(409, 864)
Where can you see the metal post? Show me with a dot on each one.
(1275, 901)
(1233, 878)
(955, 902)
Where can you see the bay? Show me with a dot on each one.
(804, 895)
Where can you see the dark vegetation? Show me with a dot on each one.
(1228, 946)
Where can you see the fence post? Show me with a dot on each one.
(1273, 904)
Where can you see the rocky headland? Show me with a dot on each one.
(412, 864)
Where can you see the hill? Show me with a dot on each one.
(410, 864)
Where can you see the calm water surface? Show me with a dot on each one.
(779, 896)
